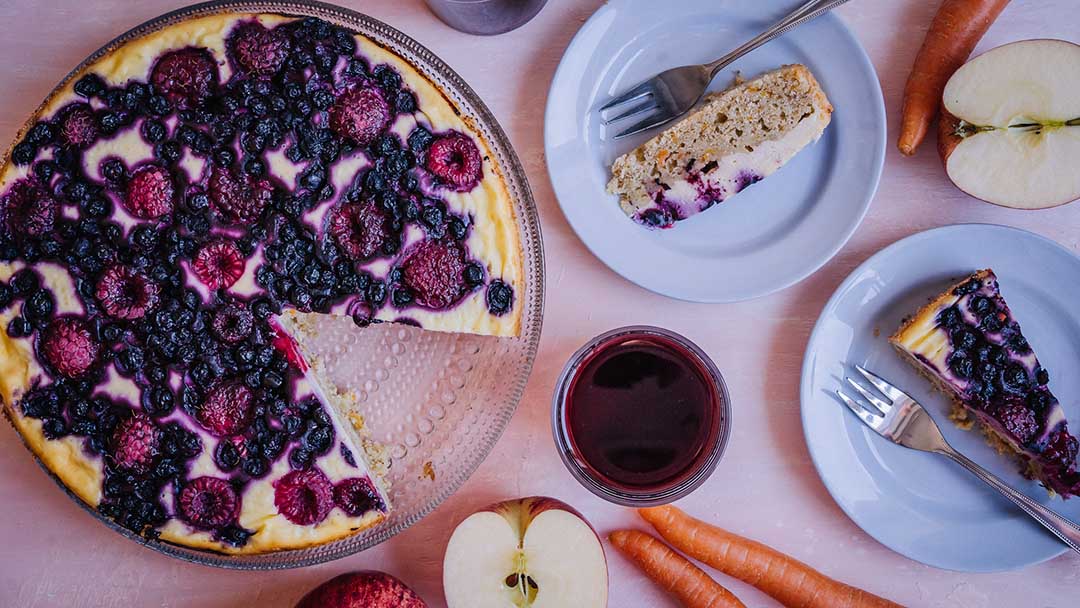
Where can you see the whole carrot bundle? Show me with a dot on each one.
(956, 29)
(789, 581)
(690, 584)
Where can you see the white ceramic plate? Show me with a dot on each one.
(919, 504)
(771, 235)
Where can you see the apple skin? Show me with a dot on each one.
(366, 589)
(947, 138)
(522, 511)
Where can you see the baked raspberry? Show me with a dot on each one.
(150, 192)
(356, 496)
(218, 264)
(69, 346)
(185, 77)
(360, 114)
(360, 229)
(135, 444)
(1061, 449)
(434, 271)
(238, 200)
(227, 409)
(123, 294)
(78, 127)
(232, 324)
(209, 502)
(27, 209)
(1018, 420)
(455, 159)
(304, 497)
(258, 50)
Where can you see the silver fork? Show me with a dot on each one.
(900, 419)
(672, 93)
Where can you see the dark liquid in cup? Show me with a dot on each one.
(642, 413)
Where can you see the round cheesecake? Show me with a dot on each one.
(166, 218)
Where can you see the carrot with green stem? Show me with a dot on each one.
(956, 29)
(789, 581)
(690, 584)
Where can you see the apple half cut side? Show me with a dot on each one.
(1009, 133)
(529, 553)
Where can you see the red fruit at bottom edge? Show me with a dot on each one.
(362, 590)
(304, 497)
(218, 264)
(209, 502)
(456, 160)
(69, 346)
(435, 272)
(135, 443)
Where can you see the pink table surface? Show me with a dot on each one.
(54, 554)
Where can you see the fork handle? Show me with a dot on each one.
(1061, 527)
(806, 12)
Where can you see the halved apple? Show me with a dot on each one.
(533, 552)
(1010, 127)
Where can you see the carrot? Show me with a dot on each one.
(953, 34)
(673, 572)
(789, 581)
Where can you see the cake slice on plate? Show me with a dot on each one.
(967, 342)
(735, 138)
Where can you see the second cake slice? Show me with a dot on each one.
(734, 139)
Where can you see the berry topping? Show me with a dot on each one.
(360, 229)
(238, 200)
(1014, 379)
(78, 127)
(124, 294)
(135, 443)
(227, 409)
(149, 193)
(232, 324)
(26, 209)
(455, 159)
(209, 502)
(500, 298)
(304, 497)
(1018, 420)
(186, 76)
(218, 264)
(360, 114)
(69, 346)
(258, 50)
(434, 271)
(356, 496)
(1061, 448)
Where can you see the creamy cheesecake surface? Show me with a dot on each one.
(165, 218)
(736, 138)
(968, 342)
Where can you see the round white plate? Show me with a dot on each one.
(919, 504)
(771, 235)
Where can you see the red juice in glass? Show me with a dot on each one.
(641, 416)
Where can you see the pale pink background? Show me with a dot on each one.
(54, 554)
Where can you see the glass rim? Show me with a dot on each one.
(702, 470)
